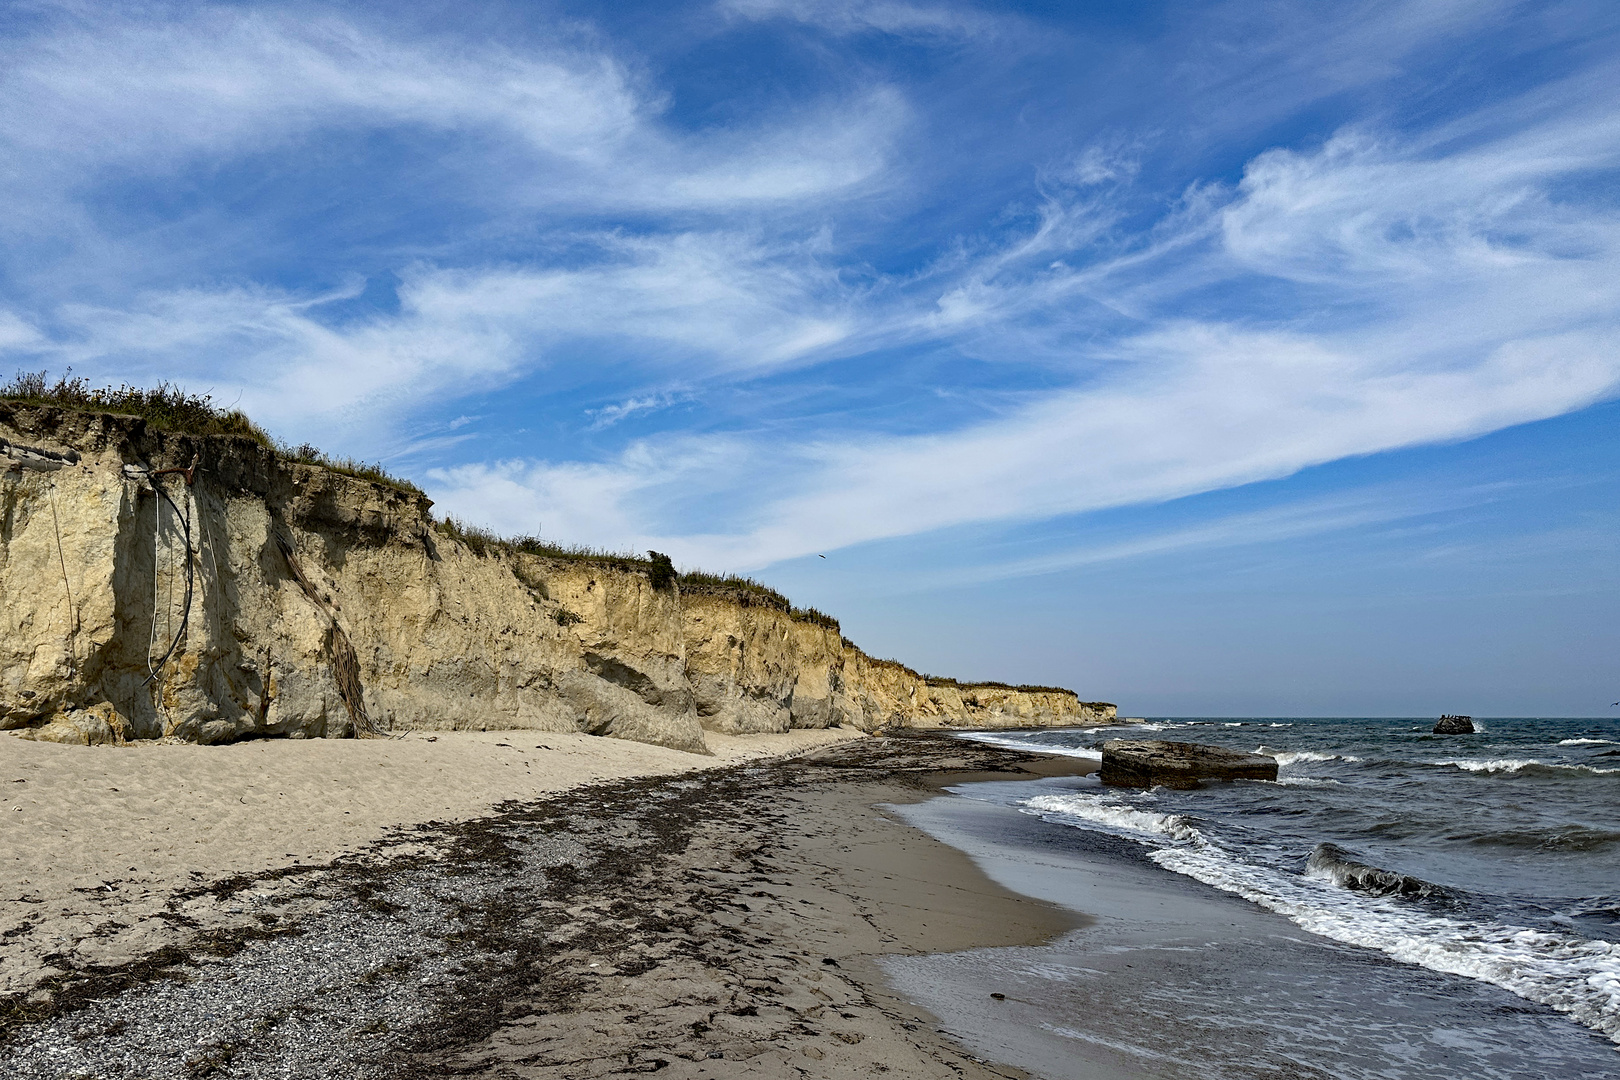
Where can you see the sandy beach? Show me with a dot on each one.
(480, 906)
(99, 842)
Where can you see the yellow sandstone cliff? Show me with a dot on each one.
(322, 604)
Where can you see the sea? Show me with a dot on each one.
(1396, 904)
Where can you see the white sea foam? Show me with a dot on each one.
(1032, 746)
(1568, 973)
(1305, 781)
(1096, 811)
(1512, 765)
(1493, 765)
(1586, 742)
(1294, 757)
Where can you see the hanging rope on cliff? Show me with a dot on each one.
(73, 612)
(185, 521)
(157, 536)
(168, 599)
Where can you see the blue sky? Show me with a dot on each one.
(1246, 358)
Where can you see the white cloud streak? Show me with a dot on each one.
(894, 17)
(706, 303)
(130, 95)
(108, 99)
(608, 415)
(1357, 509)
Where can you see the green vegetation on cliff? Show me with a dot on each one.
(744, 591)
(167, 408)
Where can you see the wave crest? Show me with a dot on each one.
(1294, 757)
(1093, 810)
(1333, 863)
(1518, 765)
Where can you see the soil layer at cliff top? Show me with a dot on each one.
(719, 923)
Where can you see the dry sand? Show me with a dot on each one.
(96, 841)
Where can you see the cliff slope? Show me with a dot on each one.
(253, 596)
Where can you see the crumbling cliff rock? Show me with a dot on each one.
(294, 600)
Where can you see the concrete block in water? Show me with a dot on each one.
(1153, 762)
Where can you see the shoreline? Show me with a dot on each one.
(1177, 977)
(729, 915)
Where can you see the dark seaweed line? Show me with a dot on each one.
(516, 943)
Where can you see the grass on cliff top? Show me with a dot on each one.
(487, 542)
(743, 590)
(166, 407)
(748, 592)
(946, 680)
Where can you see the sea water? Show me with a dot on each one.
(1415, 901)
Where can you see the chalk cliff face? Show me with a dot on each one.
(323, 604)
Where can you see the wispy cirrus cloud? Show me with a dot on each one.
(896, 17)
(1418, 293)
(608, 415)
(123, 95)
(1398, 505)
(696, 304)
(560, 132)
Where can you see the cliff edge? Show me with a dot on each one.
(205, 588)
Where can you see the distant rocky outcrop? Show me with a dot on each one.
(295, 600)
(1455, 725)
(1157, 762)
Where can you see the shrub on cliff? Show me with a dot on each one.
(661, 570)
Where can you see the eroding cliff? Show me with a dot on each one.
(293, 600)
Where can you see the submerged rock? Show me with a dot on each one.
(1455, 725)
(1153, 762)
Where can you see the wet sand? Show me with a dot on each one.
(1173, 978)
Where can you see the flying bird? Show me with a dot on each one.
(823, 557)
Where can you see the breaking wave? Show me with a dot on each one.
(1332, 863)
(1294, 757)
(1117, 818)
(1010, 742)
(1349, 901)
(1519, 765)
